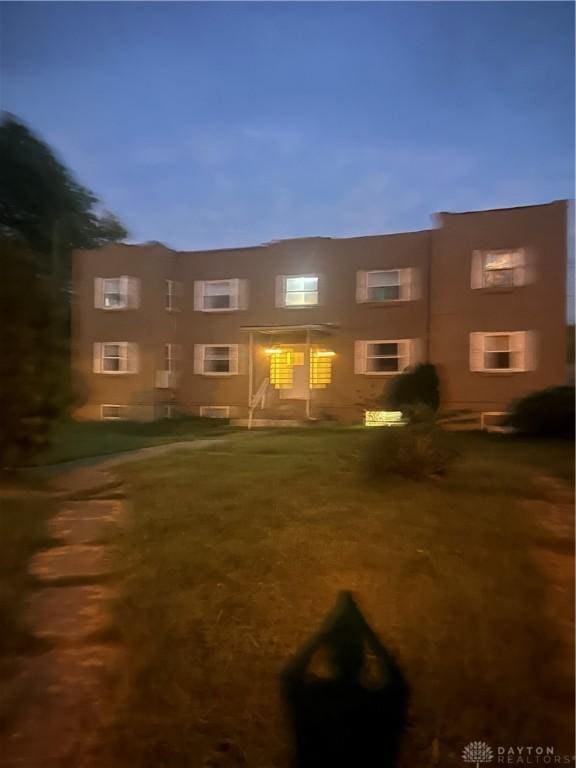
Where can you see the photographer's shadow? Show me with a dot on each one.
(345, 695)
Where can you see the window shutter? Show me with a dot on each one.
(476, 276)
(415, 283)
(361, 286)
(199, 295)
(198, 358)
(530, 351)
(406, 276)
(132, 292)
(97, 356)
(98, 292)
(414, 351)
(528, 274)
(476, 351)
(360, 356)
(280, 283)
(321, 288)
(242, 294)
(131, 357)
(234, 352)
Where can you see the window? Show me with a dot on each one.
(297, 291)
(116, 292)
(215, 411)
(320, 368)
(384, 357)
(219, 295)
(216, 359)
(115, 357)
(503, 351)
(167, 377)
(171, 357)
(501, 268)
(172, 296)
(113, 412)
(386, 285)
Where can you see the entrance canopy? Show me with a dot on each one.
(274, 330)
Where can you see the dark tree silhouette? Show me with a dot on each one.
(42, 204)
(44, 215)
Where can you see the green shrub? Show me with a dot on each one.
(416, 385)
(546, 413)
(417, 451)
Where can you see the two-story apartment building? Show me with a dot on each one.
(314, 328)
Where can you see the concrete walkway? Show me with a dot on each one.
(56, 695)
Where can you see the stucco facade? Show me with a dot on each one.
(482, 296)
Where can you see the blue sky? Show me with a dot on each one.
(218, 124)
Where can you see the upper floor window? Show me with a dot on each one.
(381, 285)
(500, 269)
(216, 359)
(503, 351)
(219, 295)
(115, 357)
(297, 291)
(172, 296)
(116, 292)
(384, 357)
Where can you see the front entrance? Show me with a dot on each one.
(285, 368)
(300, 375)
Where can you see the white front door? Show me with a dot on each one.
(300, 384)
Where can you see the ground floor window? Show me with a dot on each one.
(115, 357)
(382, 356)
(216, 359)
(215, 411)
(501, 351)
(113, 412)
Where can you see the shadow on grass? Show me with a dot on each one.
(345, 695)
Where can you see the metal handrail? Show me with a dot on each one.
(259, 399)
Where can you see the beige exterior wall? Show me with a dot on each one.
(150, 326)
(540, 306)
(441, 315)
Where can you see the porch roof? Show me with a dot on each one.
(275, 329)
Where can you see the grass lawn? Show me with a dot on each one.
(233, 557)
(79, 439)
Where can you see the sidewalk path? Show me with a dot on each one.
(58, 719)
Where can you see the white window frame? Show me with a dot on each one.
(238, 294)
(129, 358)
(521, 269)
(224, 408)
(171, 357)
(129, 291)
(113, 418)
(200, 360)
(410, 354)
(281, 291)
(407, 285)
(522, 343)
(172, 295)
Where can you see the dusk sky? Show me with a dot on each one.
(223, 124)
